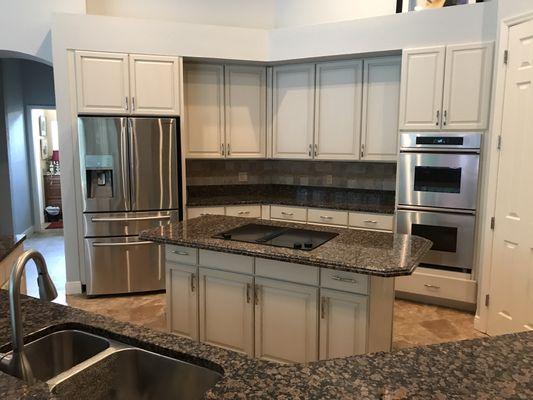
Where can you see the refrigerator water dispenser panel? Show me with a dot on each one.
(99, 174)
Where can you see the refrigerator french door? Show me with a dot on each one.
(130, 182)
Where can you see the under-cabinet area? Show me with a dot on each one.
(274, 310)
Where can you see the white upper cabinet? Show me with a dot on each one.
(293, 111)
(421, 88)
(467, 86)
(381, 102)
(338, 110)
(102, 83)
(154, 85)
(204, 110)
(245, 91)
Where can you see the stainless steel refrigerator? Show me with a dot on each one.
(131, 181)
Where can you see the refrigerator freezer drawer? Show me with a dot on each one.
(123, 265)
(125, 224)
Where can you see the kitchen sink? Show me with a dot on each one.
(79, 364)
(59, 351)
(135, 374)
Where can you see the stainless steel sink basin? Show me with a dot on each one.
(135, 374)
(59, 351)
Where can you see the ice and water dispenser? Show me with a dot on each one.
(99, 175)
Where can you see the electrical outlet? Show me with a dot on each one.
(329, 179)
(243, 177)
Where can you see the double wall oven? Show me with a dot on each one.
(437, 196)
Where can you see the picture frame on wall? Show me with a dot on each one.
(42, 126)
(44, 148)
(419, 5)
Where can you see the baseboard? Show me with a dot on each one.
(73, 287)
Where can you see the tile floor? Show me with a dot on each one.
(414, 324)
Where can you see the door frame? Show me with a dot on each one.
(37, 183)
(490, 166)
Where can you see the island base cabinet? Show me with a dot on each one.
(286, 325)
(343, 321)
(226, 310)
(182, 300)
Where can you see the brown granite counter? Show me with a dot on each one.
(366, 252)
(374, 201)
(491, 368)
(8, 243)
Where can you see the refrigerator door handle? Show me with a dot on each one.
(124, 219)
(124, 125)
(121, 244)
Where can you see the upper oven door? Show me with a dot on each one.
(444, 180)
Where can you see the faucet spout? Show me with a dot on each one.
(19, 365)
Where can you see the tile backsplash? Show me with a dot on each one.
(340, 174)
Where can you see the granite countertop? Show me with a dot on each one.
(491, 368)
(367, 252)
(374, 201)
(8, 243)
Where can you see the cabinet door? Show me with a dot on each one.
(421, 88)
(154, 85)
(286, 318)
(182, 300)
(226, 310)
(102, 83)
(343, 324)
(381, 104)
(467, 85)
(204, 110)
(245, 90)
(338, 110)
(293, 109)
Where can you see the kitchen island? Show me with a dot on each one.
(491, 368)
(295, 300)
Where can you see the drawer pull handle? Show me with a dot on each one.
(204, 214)
(326, 217)
(346, 280)
(370, 221)
(180, 253)
(288, 214)
(244, 212)
(431, 286)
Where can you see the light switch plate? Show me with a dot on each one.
(243, 177)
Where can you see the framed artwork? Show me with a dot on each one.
(418, 5)
(44, 148)
(42, 125)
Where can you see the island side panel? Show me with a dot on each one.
(381, 315)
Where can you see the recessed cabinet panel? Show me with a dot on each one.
(381, 104)
(182, 300)
(338, 110)
(204, 110)
(102, 83)
(421, 88)
(245, 90)
(343, 321)
(286, 325)
(154, 83)
(226, 310)
(467, 86)
(293, 110)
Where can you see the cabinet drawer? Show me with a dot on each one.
(285, 271)
(382, 222)
(440, 286)
(244, 211)
(181, 254)
(331, 217)
(288, 213)
(193, 212)
(227, 262)
(345, 281)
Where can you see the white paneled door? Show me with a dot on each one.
(511, 293)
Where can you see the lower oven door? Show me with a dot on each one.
(123, 265)
(444, 180)
(452, 235)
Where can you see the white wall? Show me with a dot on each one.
(266, 14)
(25, 25)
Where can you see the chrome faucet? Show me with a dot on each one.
(18, 365)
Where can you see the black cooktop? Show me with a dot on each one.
(291, 238)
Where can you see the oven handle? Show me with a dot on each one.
(436, 209)
(121, 244)
(443, 150)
